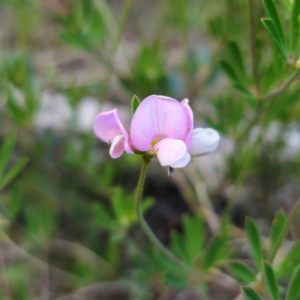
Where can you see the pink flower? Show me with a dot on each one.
(161, 127)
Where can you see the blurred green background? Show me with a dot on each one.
(67, 224)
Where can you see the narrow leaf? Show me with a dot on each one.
(135, 102)
(6, 150)
(254, 241)
(242, 272)
(273, 15)
(294, 26)
(277, 225)
(250, 293)
(236, 58)
(271, 281)
(13, 172)
(268, 23)
(294, 288)
(287, 264)
(229, 71)
(213, 250)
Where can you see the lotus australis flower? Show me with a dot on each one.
(161, 127)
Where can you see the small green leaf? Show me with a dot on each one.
(242, 272)
(271, 281)
(14, 203)
(13, 172)
(288, 4)
(213, 251)
(250, 293)
(135, 102)
(236, 58)
(294, 26)
(294, 287)
(268, 23)
(6, 151)
(287, 264)
(277, 225)
(229, 71)
(273, 15)
(254, 241)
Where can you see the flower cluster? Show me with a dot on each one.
(161, 127)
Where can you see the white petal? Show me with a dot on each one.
(181, 163)
(205, 141)
(117, 146)
(169, 151)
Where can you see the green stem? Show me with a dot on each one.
(146, 228)
(285, 229)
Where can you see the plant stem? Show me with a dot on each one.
(292, 215)
(253, 47)
(284, 86)
(146, 228)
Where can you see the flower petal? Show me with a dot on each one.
(108, 125)
(190, 117)
(158, 117)
(117, 146)
(205, 141)
(182, 162)
(169, 151)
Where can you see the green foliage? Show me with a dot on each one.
(293, 291)
(242, 272)
(135, 102)
(254, 241)
(271, 281)
(294, 27)
(250, 294)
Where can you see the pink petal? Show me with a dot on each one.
(108, 125)
(181, 163)
(169, 151)
(117, 146)
(190, 116)
(156, 118)
(204, 141)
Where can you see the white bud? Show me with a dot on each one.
(205, 141)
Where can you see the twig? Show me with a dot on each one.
(284, 87)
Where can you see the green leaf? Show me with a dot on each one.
(270, 26)
(294, 287)
(193, 229)
(288, 4)
(213, 250)
(6, 151)
(277, 225)
(294, 26)
(254, 241)
(178, 246)
(14, 203)
(287, 264)
(229, 71)
(242, 272)
(250, 293)
(13, 172)
(236, 58)
(271, 281)
(273, 15)
(135, 102)
(251, 99)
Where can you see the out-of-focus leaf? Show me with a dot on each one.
(287, 264)
(229, 71)
(135, 102)
(242, 272)
(14, 203)
(250, 293)
(103, 218)
(268, 23)
(254, 241)
(273, 15)
(271, 281)
(294, 287)
(178, 246)
(213, 251)
(277, 225)
(288, 4)
(236, 58)
(13, 172)
(6, 151)
(294, 26)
